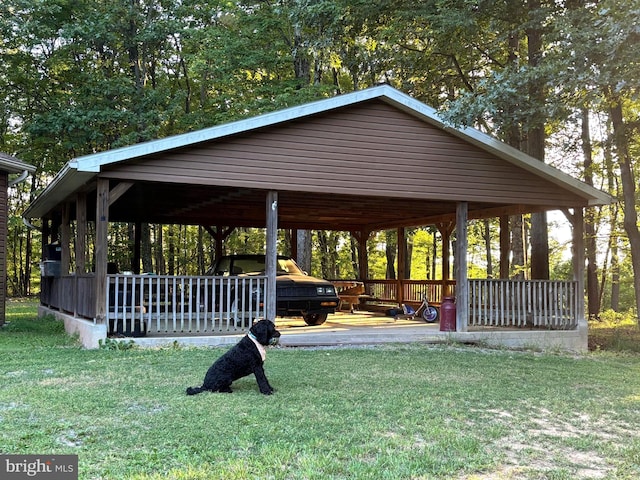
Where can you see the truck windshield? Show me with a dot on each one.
(255, 265)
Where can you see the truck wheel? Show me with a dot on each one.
(315, 318)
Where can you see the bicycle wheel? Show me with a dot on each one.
(430, 314)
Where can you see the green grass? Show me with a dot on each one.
(396, 412)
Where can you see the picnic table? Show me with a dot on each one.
(350, 292)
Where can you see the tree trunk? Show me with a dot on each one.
(434, 263)
(628, 194)
(515, 267)
(518, 261)
(304, 250)
(323, 247)
(486, 233)
(145, 248)
(614, 222)
(535, 145)
(171, 251)
(615, 275)
(407, 260)
(301, 62)
(593, 298)
(161, 266)
(354, 256)
(202, 267)
(391, 249)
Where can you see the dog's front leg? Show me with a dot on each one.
(263, 383)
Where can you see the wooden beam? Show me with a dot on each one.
(402, 262)
(271, 253)
(578, 257)
(119, 190)
(220, 234)
(65, 239)
(102, 230)
(461, 275)
(45, 238)
(81, 233)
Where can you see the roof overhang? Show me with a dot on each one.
(11, 164)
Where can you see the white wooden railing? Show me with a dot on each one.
(522, 303)
(160, 304)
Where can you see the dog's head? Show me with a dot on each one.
(265, 332)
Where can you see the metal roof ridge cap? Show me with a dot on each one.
(93, 162)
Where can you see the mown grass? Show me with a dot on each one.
(396, 412)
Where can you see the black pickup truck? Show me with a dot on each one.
(297, 294)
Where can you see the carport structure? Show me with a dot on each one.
(360, 162)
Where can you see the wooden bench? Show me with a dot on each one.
(351, 293)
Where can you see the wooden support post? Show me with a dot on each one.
(81, 233)
(102, 229)
(220, 234)
(46, 237)
(445, 230)
(462, 287)
(402, 262)
(65, 239)
(579, 263)
(271, 253)
(505, 246)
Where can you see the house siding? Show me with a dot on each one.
(372, 149)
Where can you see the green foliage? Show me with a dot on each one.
(116, 344)
(82, 77)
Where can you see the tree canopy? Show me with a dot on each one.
(557, 79)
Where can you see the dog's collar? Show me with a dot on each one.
(259, 346)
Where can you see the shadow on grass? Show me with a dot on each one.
(615, 332)
(23, 328)
(615, 339)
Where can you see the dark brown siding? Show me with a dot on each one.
(371, 149)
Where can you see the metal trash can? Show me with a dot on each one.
(448, 315)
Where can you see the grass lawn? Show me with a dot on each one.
(396, 412)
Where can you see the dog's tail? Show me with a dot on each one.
(194, 390)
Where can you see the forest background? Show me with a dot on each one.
(557, 79)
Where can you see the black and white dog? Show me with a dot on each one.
(244, 358)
